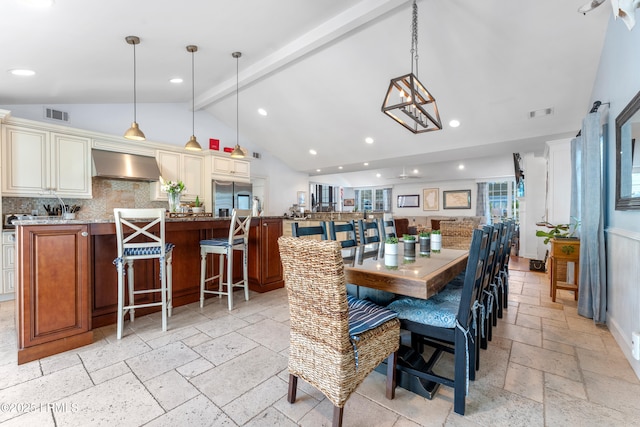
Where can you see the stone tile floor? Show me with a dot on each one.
(545, 366)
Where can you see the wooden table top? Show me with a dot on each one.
(420, 277)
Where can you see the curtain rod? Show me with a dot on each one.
(594, 109)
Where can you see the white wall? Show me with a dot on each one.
(171, 124)
(617, 82)
(532, 206)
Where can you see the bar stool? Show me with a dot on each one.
(238, 241)
(136, 242)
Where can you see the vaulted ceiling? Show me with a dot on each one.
(321, 69)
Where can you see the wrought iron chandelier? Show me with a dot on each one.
(408, 102)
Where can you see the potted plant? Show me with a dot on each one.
(391, 246)
(436, 241)
(425, 243)
(197, 206)
(409, 245)
(558, 230)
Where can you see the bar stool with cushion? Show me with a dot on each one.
(238, 240)
(137, 241)
(335, 340)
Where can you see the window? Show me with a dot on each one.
(373, 199)
(502, 200)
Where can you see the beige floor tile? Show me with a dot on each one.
(545, 360)
(582, 324)
(105, 355)
(161, 360)
(59, 361)
(194, 368)
(525, 381)
(529, 321)
(562, 324)
(405, 422)
(109, 372)
(230, 380)
(171, 389)
(578, 339)
(565, 385)
(198, 411)
(358, 411)
(224, 348)
(271, 417)
(564, 410)
(519, 334)
(11, 374)
(40, 418)
(533, 291)
(614, 394)
(245, 407)
(525, 299)
(221, 325)
(546, 312)
(303, 404)
(269, 333)
(196, 339)
(111, 403)
(559, 347)
(607, 365)
(172, 336)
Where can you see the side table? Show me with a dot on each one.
(563, 251)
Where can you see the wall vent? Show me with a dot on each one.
(57, 115)
(257, 155)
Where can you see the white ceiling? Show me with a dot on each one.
(321, 70)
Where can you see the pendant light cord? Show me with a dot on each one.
(193, 96)
(237, 103)
(414, 38)
(134, 83)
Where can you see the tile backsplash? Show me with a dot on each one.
(107, 194)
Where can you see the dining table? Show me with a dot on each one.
(418, 276)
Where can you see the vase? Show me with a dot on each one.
(409, 248)
(391, 249)
(174, 202)
(425, 245)
(436, 242)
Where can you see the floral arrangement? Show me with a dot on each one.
(172, 187)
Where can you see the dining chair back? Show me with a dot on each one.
(369, 231)
(447, 325)
(349, 228)
(387, 228)
(140, 235)
(237, 240)
(335, 340)
(312, 230)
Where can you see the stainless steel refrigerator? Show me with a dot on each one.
(229, 195)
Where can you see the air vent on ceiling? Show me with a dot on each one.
(540, 113)
(257, 155)
(57, 115)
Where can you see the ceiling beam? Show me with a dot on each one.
(349, 20)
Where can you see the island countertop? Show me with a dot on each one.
(55, 220)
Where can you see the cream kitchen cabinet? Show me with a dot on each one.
(7, 289)
(231, 168)
(188, 168)
(37, 161)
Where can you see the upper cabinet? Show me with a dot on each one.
(231, 168)
(188, 168)
(37, 162)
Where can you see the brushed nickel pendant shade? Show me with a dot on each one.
(408, 101)
(134, 131)
(238, 152)
(193, 144)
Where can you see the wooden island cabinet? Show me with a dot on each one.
(67, 282)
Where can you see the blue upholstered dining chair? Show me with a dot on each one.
(503, 260)
(349, 228)
(312, 230)
(448, 325)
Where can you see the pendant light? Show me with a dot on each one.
(193, 144)
(238, 152)
(134, 131)
(407, 101)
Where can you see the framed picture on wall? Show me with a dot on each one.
(458, 199)
(430, 199)
(410, 201)
(349, 202)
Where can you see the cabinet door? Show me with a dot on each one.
(25, 160)
(222, 165)
(71, 165)
(230, 167)
(192, 176)
(52, 272)
(8, 281)
(241, 168)
(270, 253)
(169, 164)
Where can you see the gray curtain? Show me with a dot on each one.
(587, 205)
(482, 205)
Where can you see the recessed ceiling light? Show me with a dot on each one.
(176, 80)
(262, 111)
(368, 140)
(313, 152)
(366, 164)
(415, 171)
(460, 166)
(339, 167)
(378, 175)
(318, 170)
(22, 72)
(454, 123)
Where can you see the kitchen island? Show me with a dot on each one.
(67, 283)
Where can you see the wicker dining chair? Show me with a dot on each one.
(329, 348)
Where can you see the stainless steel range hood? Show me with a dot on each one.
(133, 167)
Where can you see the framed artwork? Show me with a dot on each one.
(349, 202)
(430, 199)
(410, 201)
(459, 199)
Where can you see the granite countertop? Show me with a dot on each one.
(52, 220)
